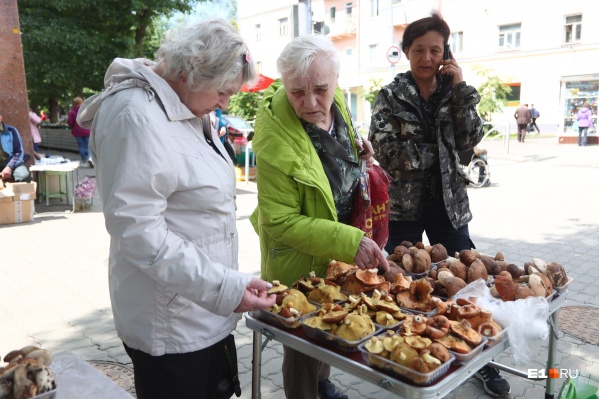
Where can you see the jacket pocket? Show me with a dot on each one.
(177, 304)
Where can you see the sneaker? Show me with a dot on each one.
(90, 163)
(493, 382)
(327, 390)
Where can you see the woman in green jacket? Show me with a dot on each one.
(307, 172)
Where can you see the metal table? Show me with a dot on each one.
(353, 363)
(62, 170)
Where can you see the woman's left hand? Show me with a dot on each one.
(366, 152)
(452, 68)
(369, 255)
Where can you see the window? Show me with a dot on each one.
(509, 37)
(332, 14)
(374, 8)
(513, 99)
(258, 33)
(457, 42)
(284, 27)
(573, 29)
(348, 7)
(373, 54)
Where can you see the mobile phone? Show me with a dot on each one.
(446, 55)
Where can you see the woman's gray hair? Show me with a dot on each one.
(296, 57)
(209, 54)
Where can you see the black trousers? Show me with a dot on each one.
(435, 222)
(191, 375)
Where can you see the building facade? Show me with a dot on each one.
(548, 52)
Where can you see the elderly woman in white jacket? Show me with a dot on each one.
(168, 193)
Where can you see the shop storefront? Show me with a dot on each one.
(575, 92)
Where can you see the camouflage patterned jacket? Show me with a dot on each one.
(400, 146)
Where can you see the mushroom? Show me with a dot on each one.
(414, 324)
(453, 285)
(438, 253)
(407, 262)
(401, 283)
(336, 269)
(374, 345)
(540, 284)
(355, 327)
(431, 361)
(467, 257)
(384, 318)
(463, 330)
(415, 341)
(277, 288)
(506, 288)
(487, 330)
(422, 261)
(557, 274)
(439, 351)
(459, 270)
(437, 326)
(477, 270)
(334, 317)
(540, 264)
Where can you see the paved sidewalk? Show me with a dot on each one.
(542, 203)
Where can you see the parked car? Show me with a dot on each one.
(239, 129)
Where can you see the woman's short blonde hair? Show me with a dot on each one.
(297, 56)
(77, 101)
(209, 54)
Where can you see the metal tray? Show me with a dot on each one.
(401, 372)
(47, 395)
(563, 287)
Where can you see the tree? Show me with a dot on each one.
(493, 93)
(68, 44)
(373, 91)
(245, 104)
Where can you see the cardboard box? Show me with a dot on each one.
(6, 194)
(23, 191)
(16, 211)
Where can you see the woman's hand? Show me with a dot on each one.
(255, 296)
(365, 150)
(369, 255)
(452, 68)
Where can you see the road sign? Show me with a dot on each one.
(393, 54)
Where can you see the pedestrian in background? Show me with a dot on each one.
(419, 123)
(307, 172)
(523, 118)
(81, 134)
(12, 155)
(168, 192)
(585, 121)
(535, 115)
(34, 121)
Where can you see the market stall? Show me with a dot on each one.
(355, 364)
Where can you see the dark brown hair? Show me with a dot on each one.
(422, 26)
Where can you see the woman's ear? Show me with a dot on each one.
(406, 51)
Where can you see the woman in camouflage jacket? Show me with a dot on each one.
(419, 122)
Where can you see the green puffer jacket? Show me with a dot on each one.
(296, 217)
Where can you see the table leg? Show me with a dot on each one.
(256, 365)
(551, 351)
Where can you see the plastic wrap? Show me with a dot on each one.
(526, 318)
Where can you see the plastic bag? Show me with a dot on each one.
(578, 389)
(370, 210)
(526, 318)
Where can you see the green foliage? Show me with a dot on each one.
(493, 93)
(373, 91)
(245, 105)
(68, 44)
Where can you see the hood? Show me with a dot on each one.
(126, 73)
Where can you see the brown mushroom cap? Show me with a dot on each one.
(438, 253)
(459, 270)
(422, 261)
(506, 288)
(454, 284)
(439, 351)
(493, 268)
(336, 269)
(368, 276)
(557, 274)
(467, 256)
(477, 270)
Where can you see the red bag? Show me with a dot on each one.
(370, 211)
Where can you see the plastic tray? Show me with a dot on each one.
(275, 319)
(337, 342)
(47, 395)
(495, 339)
(461, 358)
(404, 373)
(414, 311)
(563, 287)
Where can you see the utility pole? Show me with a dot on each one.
(392, 36)
(304, 17)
